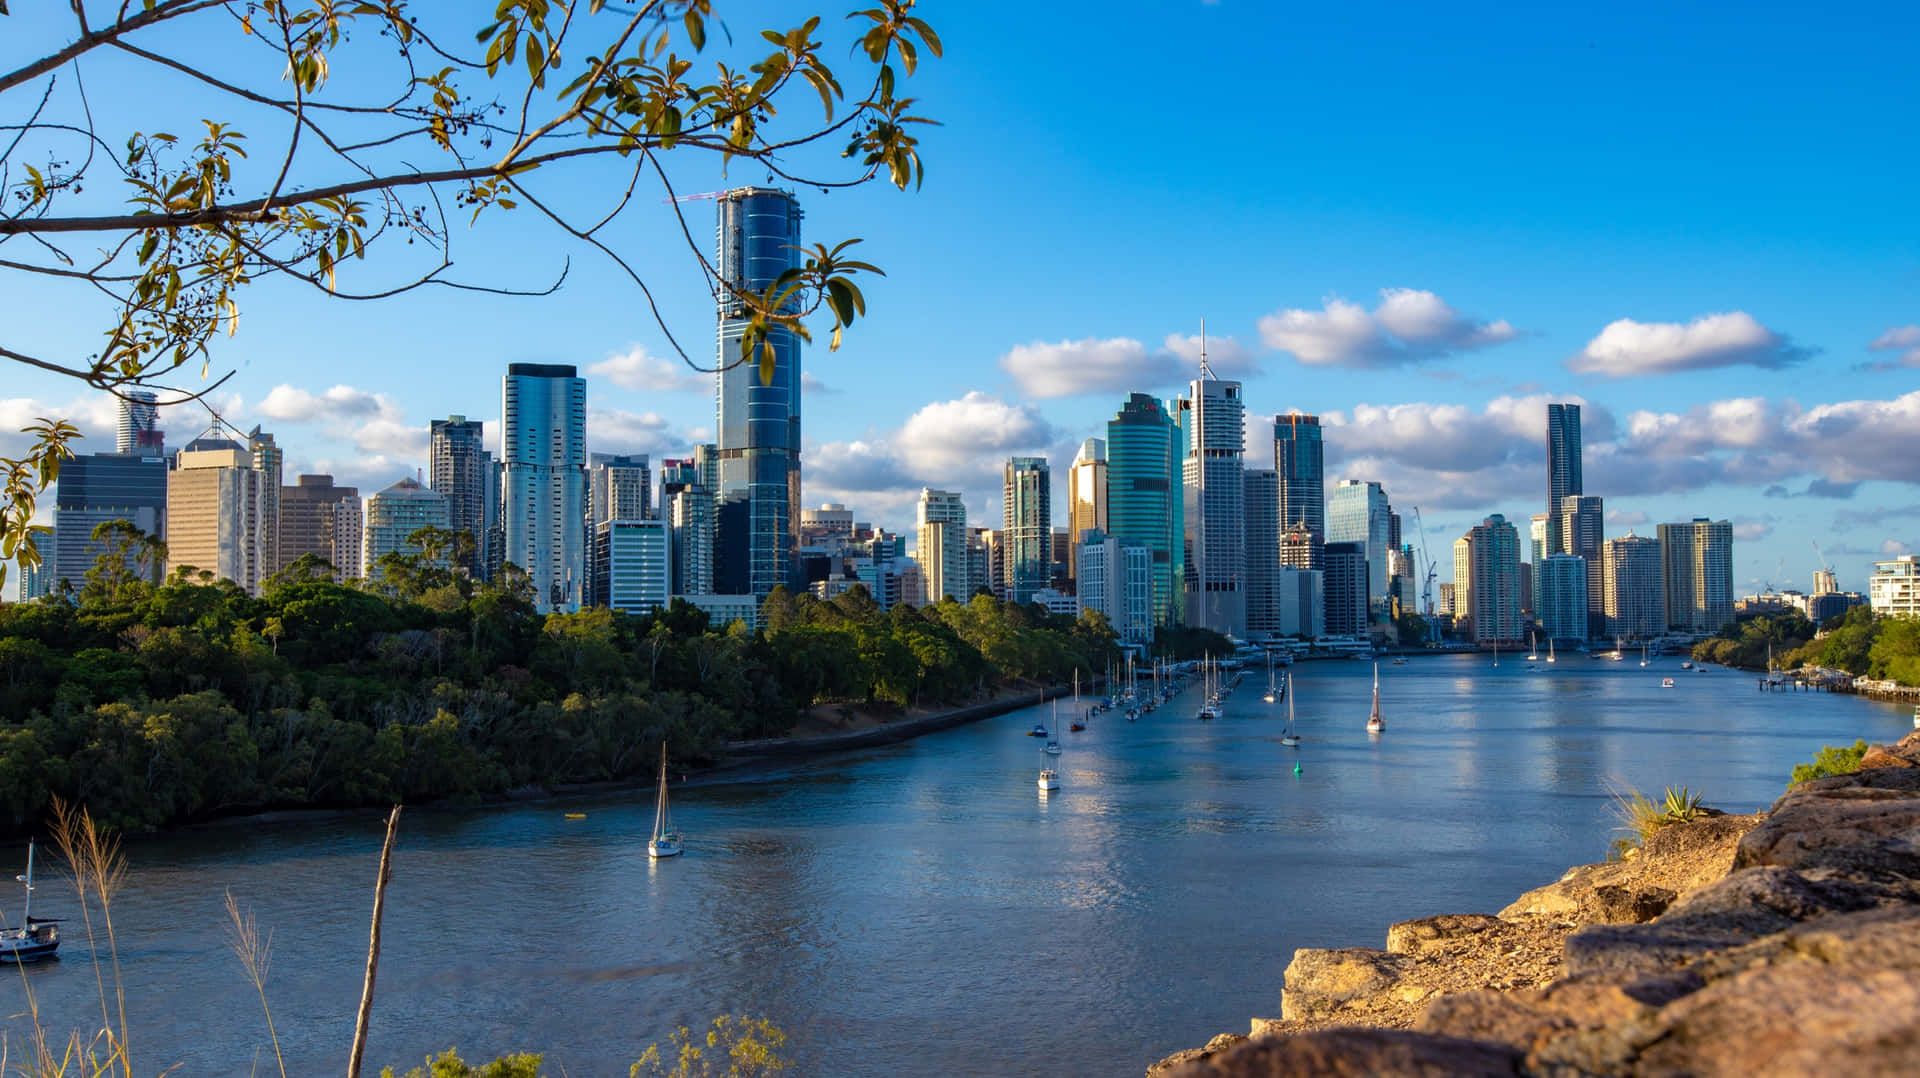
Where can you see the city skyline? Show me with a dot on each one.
(1426, 320)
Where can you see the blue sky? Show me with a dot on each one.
(1420, 221)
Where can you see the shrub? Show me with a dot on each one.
(1831, 761)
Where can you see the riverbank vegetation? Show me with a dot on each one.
(157, 704)
(1858, 642)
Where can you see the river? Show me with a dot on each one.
(920, 908)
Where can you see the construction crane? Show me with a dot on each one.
(703, 196)
(1820, 566)
(1427, 592)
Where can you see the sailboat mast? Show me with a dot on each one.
(26, 915)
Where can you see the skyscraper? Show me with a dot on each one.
(268, 461)
(544, 495)
(688, 504)
(619, 487)
(1358, 512)
(943, 546)
(138, 430)
(1563, 469)
(1263, 552)
(1144, 499)
(460, 470)
(1696, 570)
(215, 502)
(1582, 531)
(1118, 583)
(1562, 591)
(1635, 602)
(1299, 458)
(394, 514)
(94, 489)
(1027, 504)
(1486, 563)
(1212, 420)
(758, 421)
(1344, 584)
(1086, 498)
(309, 511)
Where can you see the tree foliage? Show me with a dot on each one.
(153, 704)
(1745, 643)
(340, 144)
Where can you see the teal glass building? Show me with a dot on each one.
(1144, 459)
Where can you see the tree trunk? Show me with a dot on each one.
(373, 946)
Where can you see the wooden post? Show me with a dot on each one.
(373, 946)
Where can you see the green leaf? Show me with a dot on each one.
(766, 363)
(696, 29)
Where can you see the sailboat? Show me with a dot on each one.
(1053, 739)
(1209, 706)
(1496, 659)
(1549, 649)
(35, 939)
(1289, 737)
(1643, 654)
(666, 840)
(1049, 778)
(1374, 723)
(1269, 698)
(1532, 652)
(1077, 724)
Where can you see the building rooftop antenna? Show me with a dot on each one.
(1205, 371)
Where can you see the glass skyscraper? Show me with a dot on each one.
(1357, 512)
(1143, 495)
(1299, 458)
(1563, 469)
(1213, 426)
(1028, 510)
(544, 494)
(461, 470)
(758, 421)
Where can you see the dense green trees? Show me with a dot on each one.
(153, 704)
(1745, 642)
(1858, 642)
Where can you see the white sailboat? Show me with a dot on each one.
(1643, 654)
(1533, 653)
(1269, 698)
(1053, 732)
(1049, 778)
(1374, 723)
(34, 939)
(1496, 659)
(666, 840)
(1549, 649)
(1290, 737)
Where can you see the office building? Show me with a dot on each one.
(1027, 505)
(1062, 567)
(96, 488)
(758, 425)
(1894, 588)
(633, 564)
(544, 494)
(1345, 584)
(393, 515)
(1144, 498)
(1449, 605)
(138, 431)
(1116, 580)
(1562, 589)
(1299, 459)
(1263, 552)
(1300, 597)
(1582, 532)
(688, 504)
(942, 521)
(1537, 544)
(1486, 566)
(723, 610)
(1086, 498)
(269, 462)
(37, 580)
(460, 468)
(215, 503)
(1636, 604)
(1696, 572)
(1357, 512)
(619, 487)
(986, 562)
(309, 519)
(1212, 421)
(1302, 549)
(1563, 469)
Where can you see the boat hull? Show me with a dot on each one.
(20, 949)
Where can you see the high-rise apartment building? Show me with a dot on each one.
(138, 431)
(1825, 582)
(1213, 428)
(309, 512)
(1301, 597)
(1562, 591)
(1582, 533)
(544, 492)
(349, 530)
(393, 515)
(461, 469)
(688, 504)
(1345, 588)
(1086, 498)
(1117, 581)
(1696, 572)
(619, 487)
(986, 562)
(1299, 458)
(215, 507)
(1486, 567)
(1027, 505)
(758, 419)
(94, 489)
(269, 461)
(1563, 469)
(633, 564)
(942, 521)
(1894, 588)
(1358, 512)
(1144, 499)
(1636, 605)
(1263, 552)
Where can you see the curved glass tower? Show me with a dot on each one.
(1144, 495)
(758, 423)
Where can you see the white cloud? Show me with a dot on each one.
(638, 369)
(811, 384)
(1904, 340)
(289, 404)
(612, 430)
(951, 440)
(1409, 326)
(1226, 357)
(1626, 348)
(1893, 548)
(1749, 531)
(97, 415)
(1120, 364)
(1625, 518)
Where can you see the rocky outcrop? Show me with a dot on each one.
(1786, 943)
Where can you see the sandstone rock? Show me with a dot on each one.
(1220, 1043)
(1676, 860)
(1790, 1020)
(1267, 1027)
(1866, 823)
(1321, 982)
(1409, 937)
(1882, 756)
(1354, 1053)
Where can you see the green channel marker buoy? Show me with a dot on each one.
(1296, 767)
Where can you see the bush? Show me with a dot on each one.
(1830, 761)
(1641, 816)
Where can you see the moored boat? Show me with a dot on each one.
(37, 938)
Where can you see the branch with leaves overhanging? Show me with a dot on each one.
(380, 123)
